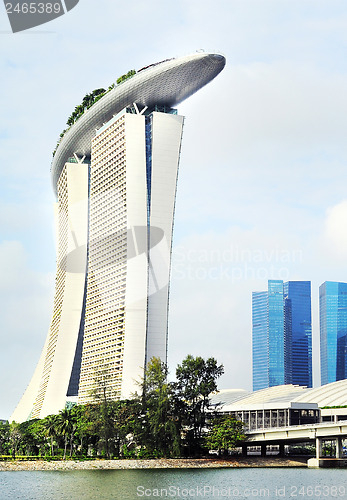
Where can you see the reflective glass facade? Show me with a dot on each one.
(297, 296)
(282, 335)
(333, 331)
(260, 344)
(276, 333)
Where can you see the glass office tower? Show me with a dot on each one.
(275, 333)
(260, 344)
(298, 335)
(333, 331)
(282, 335)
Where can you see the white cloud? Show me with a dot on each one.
(336, 230)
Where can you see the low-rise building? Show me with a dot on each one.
(278, 406)
(284, 405)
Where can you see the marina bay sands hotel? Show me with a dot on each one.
(114, 173)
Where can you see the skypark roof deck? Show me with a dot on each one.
(163, 84)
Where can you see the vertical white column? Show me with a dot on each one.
(318, 448)
(75, 272)
(166, 145)
(46, 393)
(137, 266)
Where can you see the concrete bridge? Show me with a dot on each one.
(317, 433)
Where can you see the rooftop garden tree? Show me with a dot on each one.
(88, 101)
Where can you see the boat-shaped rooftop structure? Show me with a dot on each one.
(166, 83)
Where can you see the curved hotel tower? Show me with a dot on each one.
(115, 173)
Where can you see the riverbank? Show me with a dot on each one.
(164, 463)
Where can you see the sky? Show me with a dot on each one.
(262, 182)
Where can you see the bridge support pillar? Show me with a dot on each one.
(338, 447)
(318, 447)
(244, 450)
(263, 450)
(281, 450)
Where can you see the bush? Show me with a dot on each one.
(20, 457)
(127, 453)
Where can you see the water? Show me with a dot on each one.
(270, 483)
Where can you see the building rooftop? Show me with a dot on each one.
(228, 396)
(334, 394)
(281, 396)
(166, 83)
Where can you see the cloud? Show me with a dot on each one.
(336, 230)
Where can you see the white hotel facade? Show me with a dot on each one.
(115, 175)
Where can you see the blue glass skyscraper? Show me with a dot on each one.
(282, 334)
(275, 333)
(333, 331)
(298, 335)
(260, 340)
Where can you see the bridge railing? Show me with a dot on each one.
(293, 427)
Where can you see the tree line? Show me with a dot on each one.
(164, 419)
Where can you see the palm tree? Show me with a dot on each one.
(51, 425)
(67, 426)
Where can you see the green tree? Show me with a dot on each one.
(38, 436)
(15, 437)
(51, 425)
(104, 395)
(4, 438)
(127, 75)
(160, 429)
(196, 380)
(67, 427)
(127, 425)
(84, 425)
(32, 437)
(226, 433)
